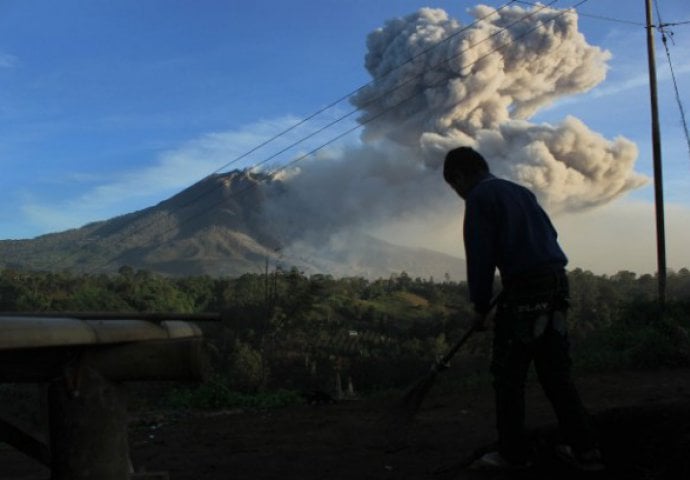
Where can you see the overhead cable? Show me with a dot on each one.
(376, 116)
(357, 90)
(582, 14)
(314, 115)
(681, 109)
(337, 120)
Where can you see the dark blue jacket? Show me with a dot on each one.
(505, 228)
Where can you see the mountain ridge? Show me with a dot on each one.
(218, 227)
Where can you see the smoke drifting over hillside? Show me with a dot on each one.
(479, 87)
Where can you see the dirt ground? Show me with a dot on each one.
(642, 418)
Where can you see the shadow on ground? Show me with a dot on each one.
(643, 421)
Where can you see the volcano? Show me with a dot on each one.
(218, 227)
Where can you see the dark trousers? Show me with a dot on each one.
(530, 327)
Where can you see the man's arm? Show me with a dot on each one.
(482, 321)
(480, 255)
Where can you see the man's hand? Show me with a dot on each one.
(479, 322)
(482, 321)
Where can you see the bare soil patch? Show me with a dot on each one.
(643, 421)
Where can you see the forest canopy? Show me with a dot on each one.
(285, 330)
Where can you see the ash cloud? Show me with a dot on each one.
(480, 87)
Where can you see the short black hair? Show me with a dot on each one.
(463, 161)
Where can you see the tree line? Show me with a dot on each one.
(286, 330)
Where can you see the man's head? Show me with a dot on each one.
(462, 169)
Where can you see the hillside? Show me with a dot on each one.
(220, 227)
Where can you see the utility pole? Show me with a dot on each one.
(266, 292)
(656, 150)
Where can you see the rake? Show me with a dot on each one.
(412, 400)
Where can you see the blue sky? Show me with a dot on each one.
(109, 107)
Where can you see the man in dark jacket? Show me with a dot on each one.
(506, 229)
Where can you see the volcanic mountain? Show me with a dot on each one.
(219, 226)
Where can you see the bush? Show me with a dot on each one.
(246, 370)
(216, 394)
(640, 338)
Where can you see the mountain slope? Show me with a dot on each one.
(218, 227)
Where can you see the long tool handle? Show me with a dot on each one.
(443, 362)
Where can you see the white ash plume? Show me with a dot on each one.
(478, 88)
(481, 86)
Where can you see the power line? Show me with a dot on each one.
(674, 24)
(661, 27)
(378, 115)
(343, 117)
(381, 113)
(371, 119)
(681, 109)
(357, 90)
(307, 119)
(589, 15)
(614, 19)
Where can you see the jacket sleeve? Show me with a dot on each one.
(480, 252)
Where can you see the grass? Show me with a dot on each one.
(216, 394)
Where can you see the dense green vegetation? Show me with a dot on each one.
(285, 332)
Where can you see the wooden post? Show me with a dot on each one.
(656, 151)
(88, 428)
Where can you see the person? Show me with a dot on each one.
(505, 228)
